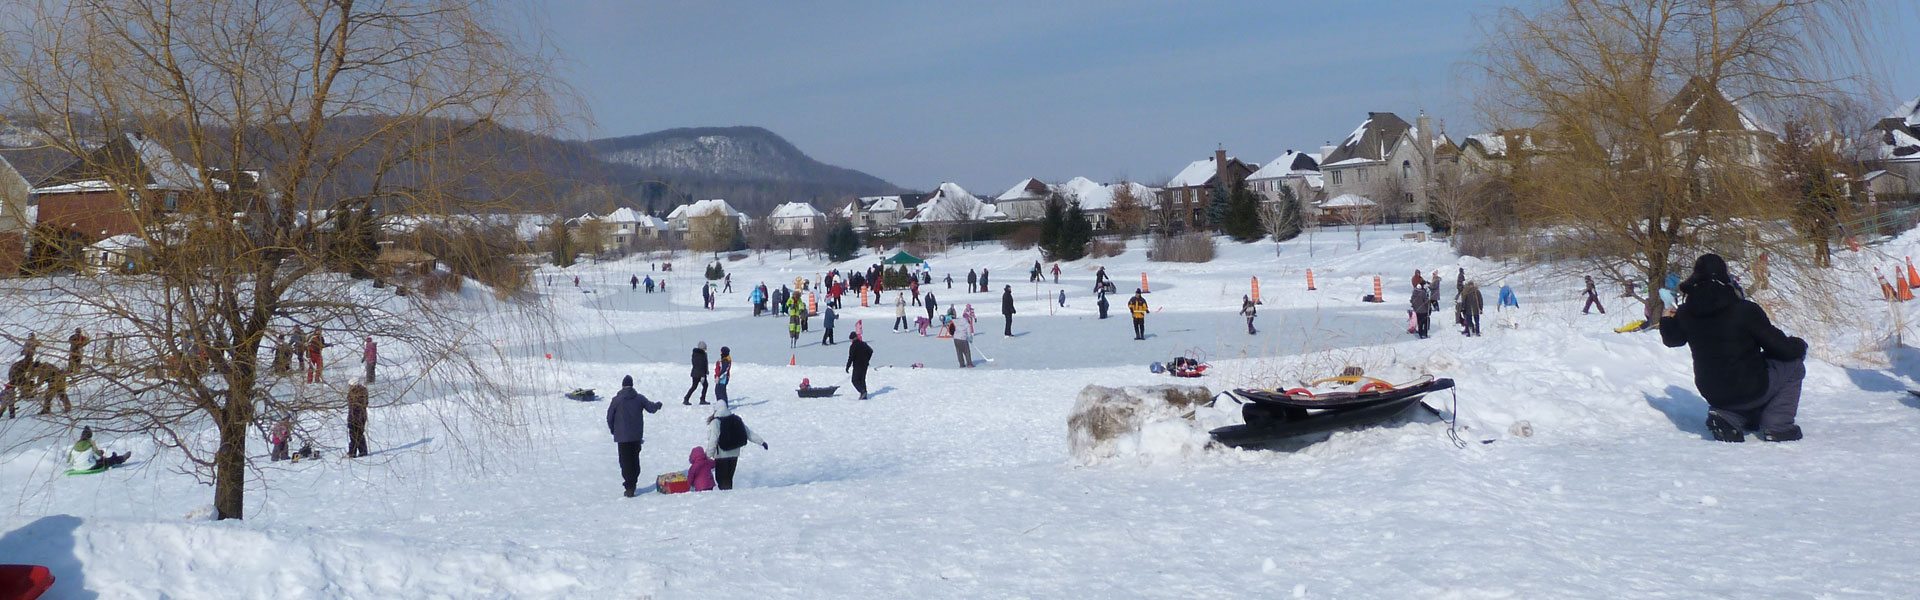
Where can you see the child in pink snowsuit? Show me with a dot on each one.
(699, 470)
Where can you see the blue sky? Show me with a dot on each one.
(984, 93)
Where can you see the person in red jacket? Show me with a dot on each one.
(370, 355)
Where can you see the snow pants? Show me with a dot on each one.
(899, 322)
(828, 339)
(1423, 322)
(723, 471)
(1471, 324)
(700, 383)
(370, 366)
(1139, 328)
(860, 380)
(1250, 330)
(720, 391)
(963, 350)
(1009, 332)
(1593, 302)
(356, 440)
(1774, 411)
(629, 464)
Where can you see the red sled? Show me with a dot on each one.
(1193, 371)
(672, 483)
(24, 582)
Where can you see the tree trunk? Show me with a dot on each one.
(230, 461)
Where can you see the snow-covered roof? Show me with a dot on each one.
(795, 210)
(1347, 200)
(122, 242)
(1196, 174)
(703, 208)
(872, 204)
(1289, 164)
(952, 203)
(1093, 195)
(1027, 189)
(622, 215)
(1351, 161)
(1494, 144)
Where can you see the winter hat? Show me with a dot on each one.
(725, 351)
(1709, 267)
(702, 345)
(626, 382)
(86, 433)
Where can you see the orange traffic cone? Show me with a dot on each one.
(1905, 287)
(1256, 290)
(1310, 280)
(1143, 284)
(1913, 276)
(793, 360)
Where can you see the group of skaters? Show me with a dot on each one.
(1468, 304)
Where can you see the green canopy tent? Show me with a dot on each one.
(902, 258)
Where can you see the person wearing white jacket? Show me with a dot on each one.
(727, 434)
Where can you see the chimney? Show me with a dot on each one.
(1220, 165)
(1326, 150)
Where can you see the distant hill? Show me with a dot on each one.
(751, 167)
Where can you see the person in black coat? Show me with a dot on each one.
(932, 304)
(858, 357)
(1748, 370)
(356, 421)
(1006, 308)
(699, 375)
(1102, 304)
(627, 421)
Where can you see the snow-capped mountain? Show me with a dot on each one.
(729, 153)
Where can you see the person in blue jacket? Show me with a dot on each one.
(627, 421)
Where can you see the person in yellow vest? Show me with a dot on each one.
(1138, 306)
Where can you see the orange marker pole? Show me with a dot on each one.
(1379, 295)
(1310, 280)
(1256, 290)
(1143, 284)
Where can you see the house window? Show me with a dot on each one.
(1406, 169)
(1336, 177)
(1363, 173)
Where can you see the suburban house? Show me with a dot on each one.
(1096, 199)
(20, 169)
(1390, 162)
(1025, 201)
(1295, 171)
(877, 213)
(1898, 150)
(1348, 209)
(796, 218)
(682, 215)
(1188, 194)
(951, 204)
(1885, 186)
(129, 180)
(631, 227)
(1701, 114)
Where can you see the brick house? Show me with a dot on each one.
(1185, 198)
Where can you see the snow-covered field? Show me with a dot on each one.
(954, 483)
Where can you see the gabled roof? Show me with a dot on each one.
(1201, 172)
(1028, 189)
(950, 202)
(1347, 200)
(1373, 140)
(34, 164)
(129, 159)
(1099, 196)
(795, 210)
(1701, 106)
(1289, 164)
(1900, 133)
(703, 208)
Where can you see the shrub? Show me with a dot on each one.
(1106, 249)
(1186, 247)
(1024, 238)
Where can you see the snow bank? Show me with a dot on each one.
(230, 560)
(1161, 421)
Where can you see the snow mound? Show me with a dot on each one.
(1146, 423)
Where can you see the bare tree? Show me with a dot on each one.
(231, 129)
(712, 232)
(595, 236)
(1647, 115)
(1283, 218)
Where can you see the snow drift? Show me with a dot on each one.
(1161, 421)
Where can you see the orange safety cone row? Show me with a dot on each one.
(1143, 284)
(1256, 290)
(1310, 280)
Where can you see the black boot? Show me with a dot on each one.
(1791, 433)
(628, 493)
(1722, 429)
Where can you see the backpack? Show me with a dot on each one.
(733, 433)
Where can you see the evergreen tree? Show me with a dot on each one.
(1242, 217)
(1217, 202)
(1288, 217)
(1075, 235)
(842, 242)
(1052, 226)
